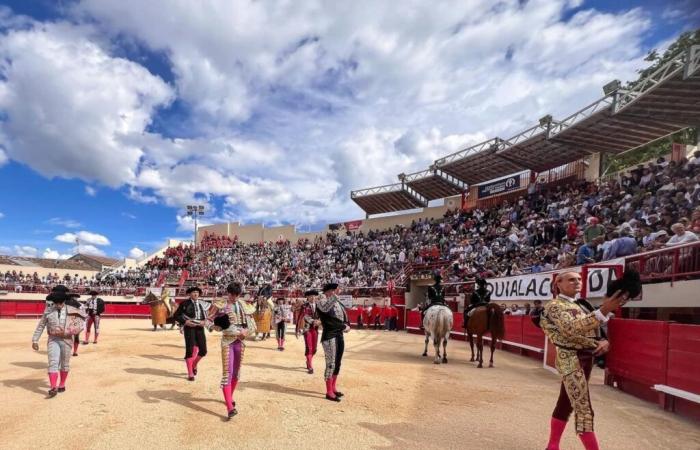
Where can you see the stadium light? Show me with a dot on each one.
(195, 211)
(546, 120)
(611, 87)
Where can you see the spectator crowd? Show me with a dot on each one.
(549, 227)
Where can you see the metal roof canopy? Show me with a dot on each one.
(388, 198)
(433, 184)
(666, 101)
(663, 103)
(531, 149)
(478, 163)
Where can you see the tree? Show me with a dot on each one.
(660, 147)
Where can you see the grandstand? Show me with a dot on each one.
(624, 119)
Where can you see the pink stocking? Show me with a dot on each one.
(53, 379)
(309, 362)
(329, 388)
(335, 379)
(64, 376)
(190, 367)
(590, 442)
(87, 336)
(556, 429)
(228, 396)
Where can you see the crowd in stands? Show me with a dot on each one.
(649, 207)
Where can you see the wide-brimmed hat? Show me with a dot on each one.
(310, 293)
(94, 292)
(234, 288)
(192, 289)
(58, 297)
(62, 289)
(329, 287)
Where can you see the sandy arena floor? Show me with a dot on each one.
(130, 391)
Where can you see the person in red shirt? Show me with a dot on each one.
(376, 316)
(572, 230)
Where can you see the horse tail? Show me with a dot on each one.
(443, 324)
(497, 321)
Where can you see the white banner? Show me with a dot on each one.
(346, 300)
(538, 286)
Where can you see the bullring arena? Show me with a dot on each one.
(130, 390)
(571, 248)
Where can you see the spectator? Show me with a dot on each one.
(681, 235)
(593, 230)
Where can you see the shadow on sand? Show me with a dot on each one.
(160, 357)
(31, 364)
(277, 388)
(276, 367)
(39, 386)
(152, 371)
(184, 399)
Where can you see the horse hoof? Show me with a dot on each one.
(444, 360)
(490, 365)
(436, 362)
(479, 366)
(472, 360)
(425, 354)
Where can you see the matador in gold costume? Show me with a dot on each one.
(573, 330)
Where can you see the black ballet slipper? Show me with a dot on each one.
(52, 393)
(190, 378)
(338, 394)
(232, 413)
(333, 399)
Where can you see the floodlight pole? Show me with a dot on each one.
(195, 211)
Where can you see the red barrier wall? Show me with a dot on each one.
(514, 329)
(684, 357)
(14, 309)
(532, 335)
(638, 355)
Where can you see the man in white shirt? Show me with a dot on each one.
(681, 235)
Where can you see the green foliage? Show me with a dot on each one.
(684, 41)
(660, 147)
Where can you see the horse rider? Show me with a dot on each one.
(436, 295)
(480, 297)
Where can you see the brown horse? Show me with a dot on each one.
(485, 319)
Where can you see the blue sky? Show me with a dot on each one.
(115, 115)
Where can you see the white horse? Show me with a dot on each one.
(438, 324)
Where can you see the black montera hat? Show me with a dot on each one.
(194, 288)
(629, 283)
(310, 293)
(329, 287)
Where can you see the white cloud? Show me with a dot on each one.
(137, 253)
(2, 215)
(85, 237)
(91, 191)
(280, 126)
(68, 223)
(128, 215)
(111, 99)
(87, 249)
(54, 254)
(25, 250)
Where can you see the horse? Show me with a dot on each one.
(485, 319)
(438, 323)
(161, 310)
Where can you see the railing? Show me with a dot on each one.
(31, 288)
(667, 264)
